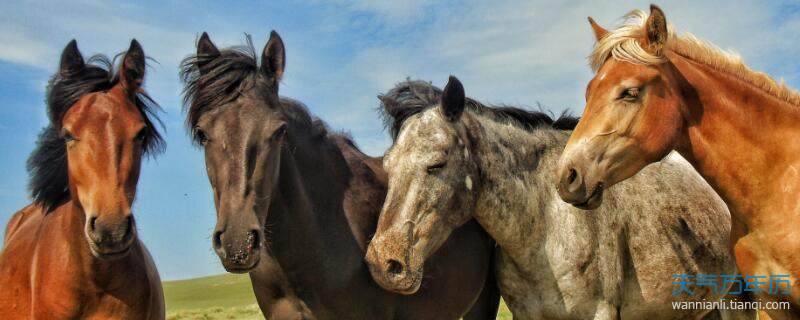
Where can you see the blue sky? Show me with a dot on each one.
(340, 55)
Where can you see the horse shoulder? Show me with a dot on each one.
(675, 224)
(157, 309)
(15, 297)
(18, 219)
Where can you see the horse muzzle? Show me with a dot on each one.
(239, 252)
(575, 189)
(110, 239)
(393, 273)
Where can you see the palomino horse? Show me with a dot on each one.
(287, 189)
(73, 253)
(454, 159)
(654, 92)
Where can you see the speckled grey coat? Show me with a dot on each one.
(615, 262)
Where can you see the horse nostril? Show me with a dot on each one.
(129, 220)
(253, 241)
(573, 175)
(217, 239)
(92, 223)
(128, 228)
(394, 267)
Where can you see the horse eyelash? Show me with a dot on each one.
(142, 134)
(626, 94)
(201, 136)
(435, 167)
(68, 137)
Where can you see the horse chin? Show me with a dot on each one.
(240, 269)
(406, 283)
(412, 289)
(109, 255)
(594, 201)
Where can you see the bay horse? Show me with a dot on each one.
(305, 201)
(73, 253)
(654, 92)
(454, 159)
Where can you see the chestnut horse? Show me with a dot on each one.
(74, 253)
(654, 92)
(297, 205)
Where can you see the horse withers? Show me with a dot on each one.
(74, 253)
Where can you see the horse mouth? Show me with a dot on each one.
(239, 268)
(405, 283)
(109, 255)
(594, 200)
(412, 288)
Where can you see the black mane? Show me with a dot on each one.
(226, 77)
(47, 164)
(413, 96)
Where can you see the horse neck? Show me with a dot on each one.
(308, 224)
(515, 165)
(739, 137)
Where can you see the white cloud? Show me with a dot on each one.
(22, 49)
(390, 11)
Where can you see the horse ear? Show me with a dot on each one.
(599, 31)
(131, 73)
(71, 59)
(453, 99)
(273, 59)
(656, 27)
(206, 50)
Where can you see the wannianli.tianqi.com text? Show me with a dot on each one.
(726, 304)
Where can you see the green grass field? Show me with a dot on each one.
(226, 296)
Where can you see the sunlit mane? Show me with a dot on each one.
(622, 44)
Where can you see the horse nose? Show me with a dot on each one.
(217, 240)
(399, 277)
(574, 180)
(394, 268)
(571, 186)
(237, 248)
(110, 233)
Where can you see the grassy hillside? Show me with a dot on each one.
(226, 296)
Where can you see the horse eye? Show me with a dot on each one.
(434, 168)
(141, 135)
(630, 94)
(200, 136)
(280, 132)
(68, 137)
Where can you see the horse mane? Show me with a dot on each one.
(622, 44)
(47, 165)
(225, 78)
(414, 96)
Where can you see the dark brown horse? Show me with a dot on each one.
(305, 202)
(73, 253)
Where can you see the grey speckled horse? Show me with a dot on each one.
(454, 159)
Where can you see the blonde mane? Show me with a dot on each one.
(622, 44)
